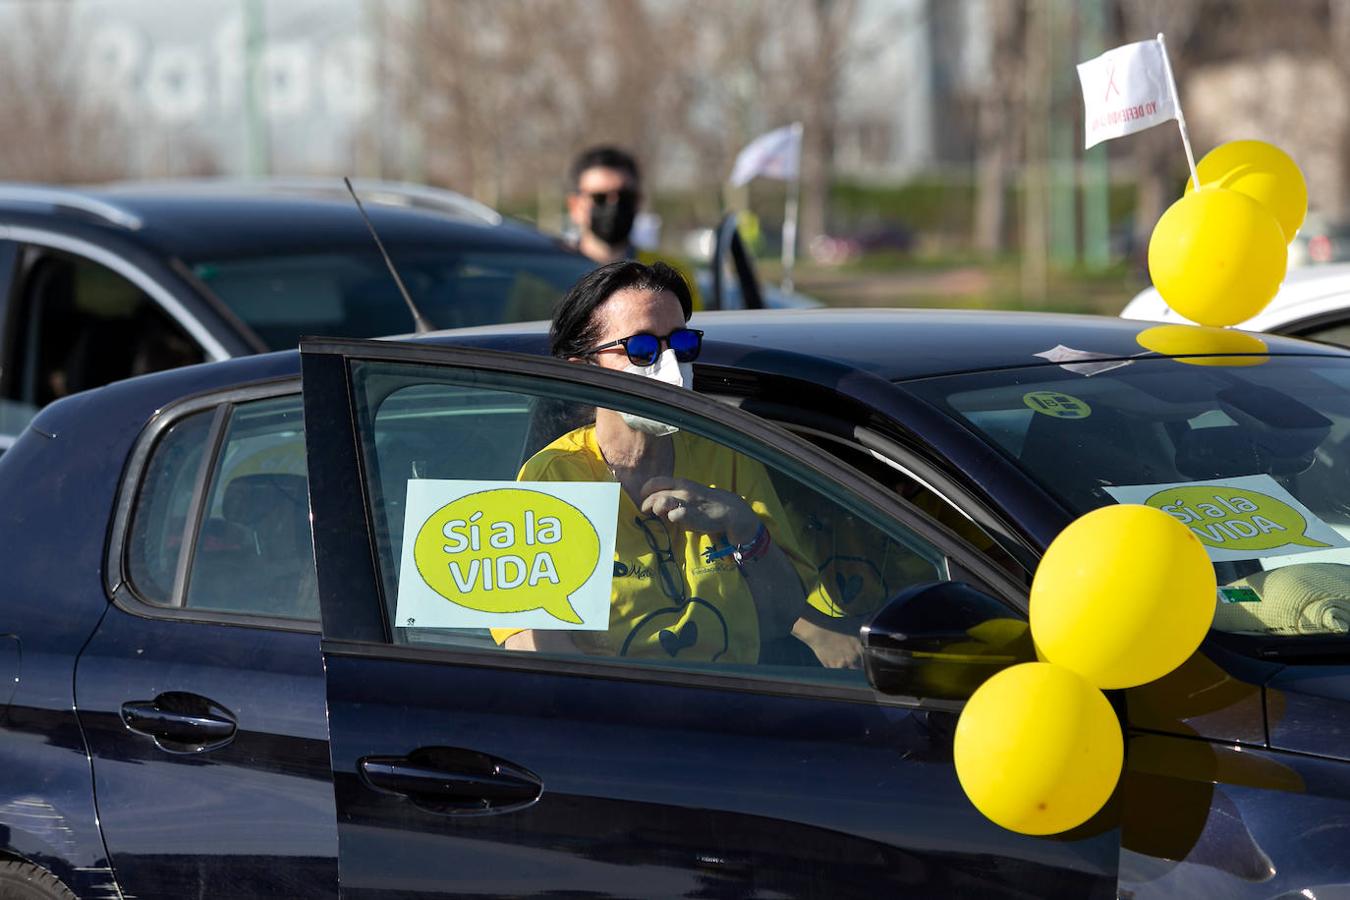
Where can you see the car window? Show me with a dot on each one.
(937, 508)
(160, 519)
(84, 326)
(243, 512)
(1251, 453)
(675, 595)
(1329, 333)
(254, 553)
(350, 294)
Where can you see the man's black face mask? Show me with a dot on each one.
(611, 222)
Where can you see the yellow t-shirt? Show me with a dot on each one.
(668, 600)
(857, 567)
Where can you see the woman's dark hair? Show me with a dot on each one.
(576, 328)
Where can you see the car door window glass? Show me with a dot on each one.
(155, 541)
(676, 597)
(254, 553)
(86, 326)
(1329, 333)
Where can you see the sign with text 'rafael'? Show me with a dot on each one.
(1126, 90)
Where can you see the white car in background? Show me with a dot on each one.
(1313, 302)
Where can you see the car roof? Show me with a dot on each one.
(1307, 291)
(220, 219)
(900, 344)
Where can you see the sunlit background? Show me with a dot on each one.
(942, 158)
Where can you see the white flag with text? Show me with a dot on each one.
(1126, 90)
(776, 154)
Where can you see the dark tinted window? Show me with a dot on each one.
(85, 326)
(249, 531)
(254, 553)
(346, 294)
(1330, 333)
(160, 521)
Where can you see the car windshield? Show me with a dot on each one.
(351, 294)
(1252, 454)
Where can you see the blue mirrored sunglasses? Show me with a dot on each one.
(643, 348)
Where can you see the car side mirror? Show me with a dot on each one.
(942, 640)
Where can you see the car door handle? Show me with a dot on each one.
(180, 722)
(451, 780)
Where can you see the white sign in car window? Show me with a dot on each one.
(1248, 517)
(507, 554)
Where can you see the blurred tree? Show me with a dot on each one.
(1158, 150)
(999, 115)
(504, 92)
(56, 130)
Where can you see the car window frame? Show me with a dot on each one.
(118, 584)
(344, 529)
(932, 472)
(42, 241)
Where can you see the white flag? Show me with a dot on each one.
(774, 155)
(1126, 90)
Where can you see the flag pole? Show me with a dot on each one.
(790, 214)
(1181, 117)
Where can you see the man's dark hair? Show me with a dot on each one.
(606, 157)
(576, 328)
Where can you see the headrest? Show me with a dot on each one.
(250, 499)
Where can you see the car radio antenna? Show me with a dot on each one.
(420, 323)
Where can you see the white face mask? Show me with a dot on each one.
(668, 370)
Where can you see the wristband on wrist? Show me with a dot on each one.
(751, 550)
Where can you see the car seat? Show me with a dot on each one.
(272, 510)
(550, 419)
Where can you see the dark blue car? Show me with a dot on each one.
(177, 723)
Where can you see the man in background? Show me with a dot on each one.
(603, 201)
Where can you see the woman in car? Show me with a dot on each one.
(707, 565)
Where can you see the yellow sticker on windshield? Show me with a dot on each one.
(1238, 518)
(1056, 404)
(507, 554)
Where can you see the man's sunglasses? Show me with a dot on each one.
(604, 199)
(643, 348)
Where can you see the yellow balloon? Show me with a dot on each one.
(1123, 596)
(1038, 749)
(1217, 257)
(1198, 346)
(1263, 172)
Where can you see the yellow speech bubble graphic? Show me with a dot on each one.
(1230, 518)
(508, 550)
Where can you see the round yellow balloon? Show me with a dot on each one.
(1038, 749)
(1263, 172)
(1123, 596)
(1217, 257)
(1198, 346)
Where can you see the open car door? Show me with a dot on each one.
(665, 754)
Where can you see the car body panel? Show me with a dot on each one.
(653, 783)
(252, 817)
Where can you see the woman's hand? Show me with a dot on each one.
(700, 508)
